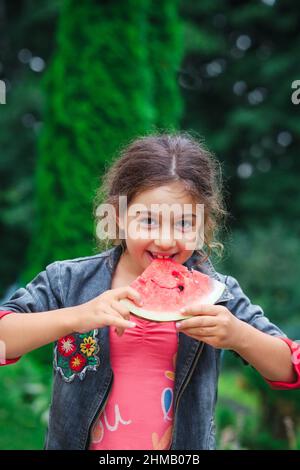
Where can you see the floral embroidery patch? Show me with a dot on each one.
(75, 354)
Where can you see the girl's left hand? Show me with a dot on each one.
(212, 324)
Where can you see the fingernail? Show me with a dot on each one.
(178, 324)
(182, 310)
(141, 302)
(131, 324)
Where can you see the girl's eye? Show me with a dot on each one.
(147, 221)
(184, 224)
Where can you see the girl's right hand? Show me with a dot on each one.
(106, 310)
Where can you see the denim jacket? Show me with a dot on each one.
(79, 395)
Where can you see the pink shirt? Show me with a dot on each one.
(139, 411)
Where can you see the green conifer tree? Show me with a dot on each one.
(99, 95)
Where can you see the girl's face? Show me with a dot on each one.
(161, 221)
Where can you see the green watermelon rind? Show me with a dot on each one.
(210, 299)
(153, 315)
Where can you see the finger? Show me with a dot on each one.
(109, 310)
(199, 309)
(124, 311)
(114, 318)
(130, 293)
(119, 331)
(197, 321)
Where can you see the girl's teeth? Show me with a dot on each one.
(161, 257)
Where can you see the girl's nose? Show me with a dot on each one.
(164, 244)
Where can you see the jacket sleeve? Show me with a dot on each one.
(42, 294)
(243, 309)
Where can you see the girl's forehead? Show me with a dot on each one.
(165, 201)
(168, 194)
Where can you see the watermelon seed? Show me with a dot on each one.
(175, 274)
(181, 288)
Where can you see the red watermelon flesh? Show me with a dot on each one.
(166, 286)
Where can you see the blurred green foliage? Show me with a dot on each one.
(27, 32)
(241, 59)
(25, 401)
(250, 415)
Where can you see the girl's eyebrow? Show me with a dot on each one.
(148, 212)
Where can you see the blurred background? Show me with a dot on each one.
(81, 79)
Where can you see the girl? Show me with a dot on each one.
(120, 381)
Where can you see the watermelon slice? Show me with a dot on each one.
(166, 286)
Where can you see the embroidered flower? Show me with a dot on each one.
(88, 346)
(67, 346)
(77, 362)
(75, 354)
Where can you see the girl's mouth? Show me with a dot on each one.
(152, 256)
